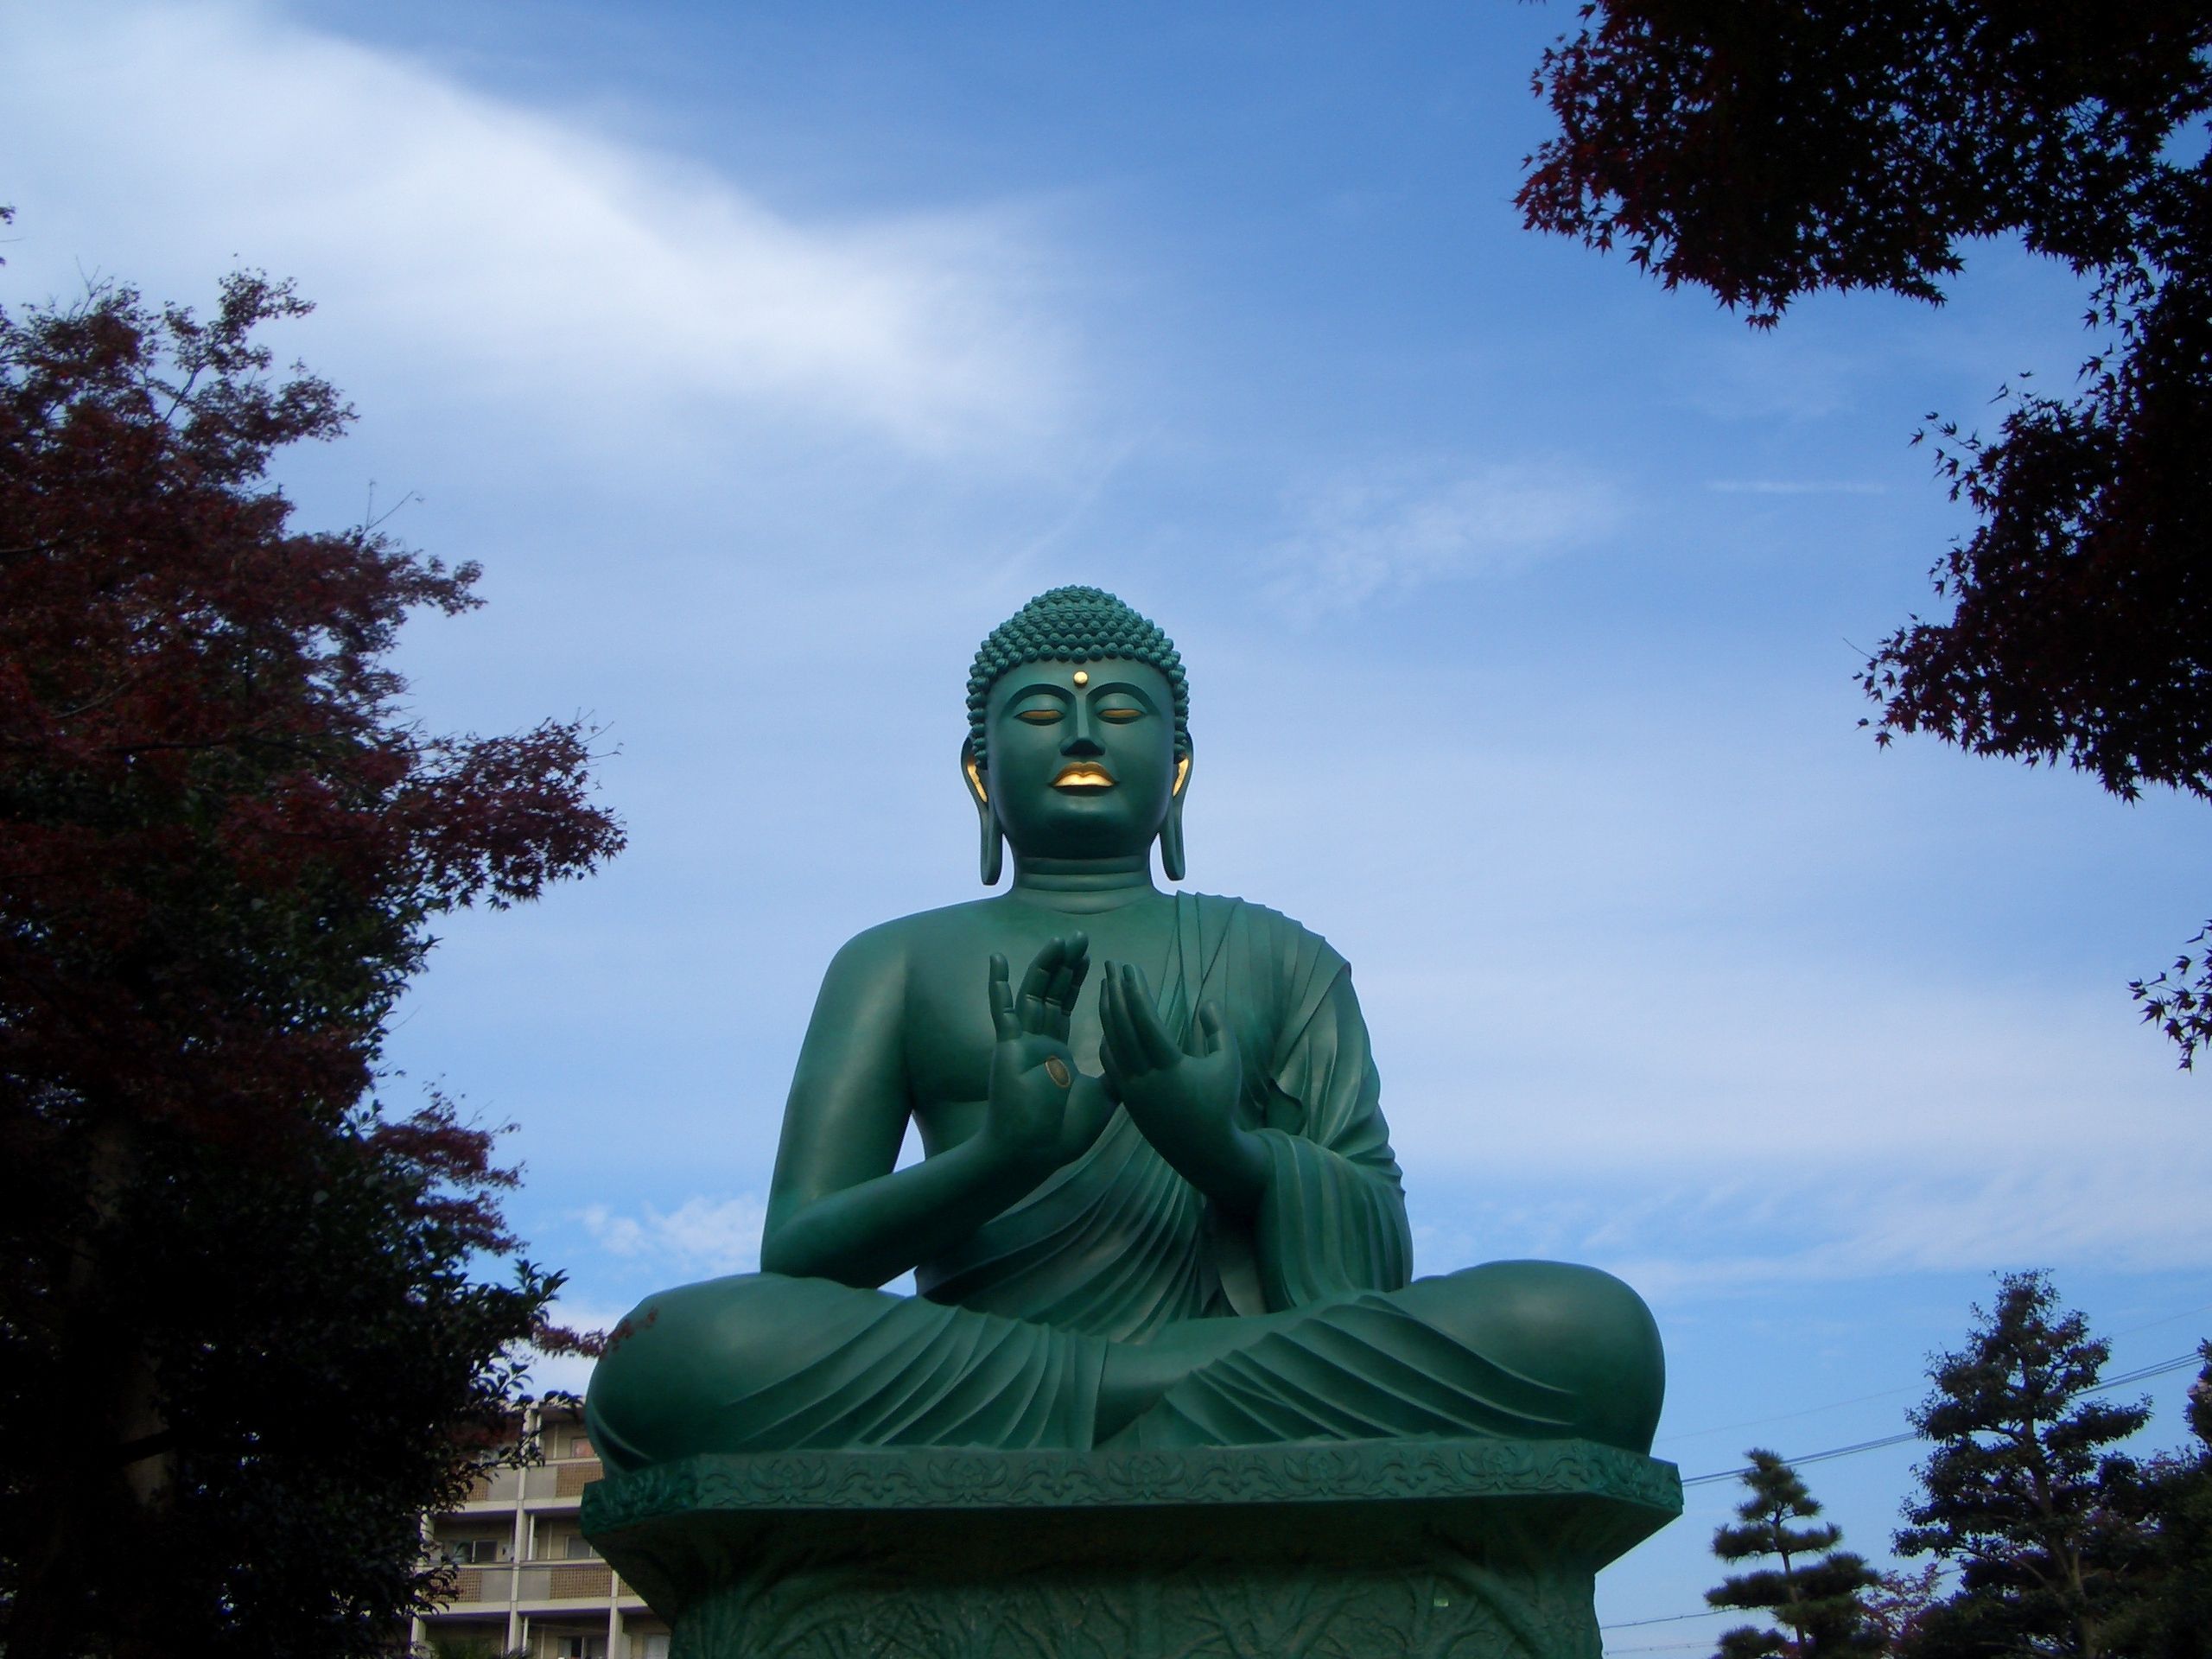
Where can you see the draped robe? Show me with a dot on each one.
(1298, 1322)
(1118, 1245)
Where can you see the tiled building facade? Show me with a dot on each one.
(525, 1581)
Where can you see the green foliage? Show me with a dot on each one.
(2168, 1612)
(2045, 1525)
(1075, 625)
(1815, 1591)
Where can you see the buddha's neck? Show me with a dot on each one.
(1081, 885)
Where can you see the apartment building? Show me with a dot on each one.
(526, 1581)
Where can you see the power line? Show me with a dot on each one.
(1810, 1457)
(1786, 1416)
(1884, 1393)
(2142, 1374)
(1668, 1618)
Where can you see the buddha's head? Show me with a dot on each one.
(1078, 742)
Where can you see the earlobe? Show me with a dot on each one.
(1171, 831)
(992, 861)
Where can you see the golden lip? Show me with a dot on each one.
(1083, 774)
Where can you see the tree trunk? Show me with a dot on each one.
(86, 1490)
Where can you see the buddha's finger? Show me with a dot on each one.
(1210, 1032)
(1078, 971)
(1119, 1047)
(1060, 994)
(1145, 1023)
(1038, 979)
(1004, 1025)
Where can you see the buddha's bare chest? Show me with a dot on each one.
(948, 1035)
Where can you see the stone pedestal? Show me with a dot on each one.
(1475, 1548)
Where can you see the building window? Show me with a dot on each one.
(577, 1548)
(472, 1552)
(581, 1647)
(579, 1446)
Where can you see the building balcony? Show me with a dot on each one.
(505, 1487)
(476, 1588)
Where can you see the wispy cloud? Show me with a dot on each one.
(1392, 529)
(591, 276)
(1792, 487)
(701, 1237)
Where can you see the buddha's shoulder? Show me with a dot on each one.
(903, 937)
(1218, 911)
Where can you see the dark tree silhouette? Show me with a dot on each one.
(2020, 1494)
(1815, 1591)
(2169, 1612)
(244, 1332)
(1772, 148)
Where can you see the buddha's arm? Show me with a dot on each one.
(836, 1207)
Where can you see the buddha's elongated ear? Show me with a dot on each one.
(1171, 831)
(993, 862)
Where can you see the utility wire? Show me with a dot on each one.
(2141, 1374)
(1669, 1618)
(1884, 1393)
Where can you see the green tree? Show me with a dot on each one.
(252, 1323)
(1815, 1592)
(2021, 1494)
(2170, 1614)
(1767, 150)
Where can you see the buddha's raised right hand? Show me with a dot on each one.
(1042, 1112)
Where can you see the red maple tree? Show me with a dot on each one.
(1772, 148)
(222, 842)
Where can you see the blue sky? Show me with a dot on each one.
(767, 356)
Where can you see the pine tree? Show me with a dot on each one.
(1815, 1593)
(2169, 1613)
(2044, 1524)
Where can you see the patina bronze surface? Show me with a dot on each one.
(1158, 1210)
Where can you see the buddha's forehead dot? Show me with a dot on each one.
(1082, 678)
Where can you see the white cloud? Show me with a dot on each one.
(1392, 529)
(571, 1373)
(1791, 486)
(702, 1237)
(587, 276)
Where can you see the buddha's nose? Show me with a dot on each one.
(1083, 736)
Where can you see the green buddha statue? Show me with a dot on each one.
(1158, 1206)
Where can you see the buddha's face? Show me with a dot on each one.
(1082, 756)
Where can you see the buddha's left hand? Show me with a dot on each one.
(1184, 1101)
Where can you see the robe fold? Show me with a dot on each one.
(1298, 1322)
(1118, 1245)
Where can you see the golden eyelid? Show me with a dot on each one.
(1121, 714)
(1039, 716)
